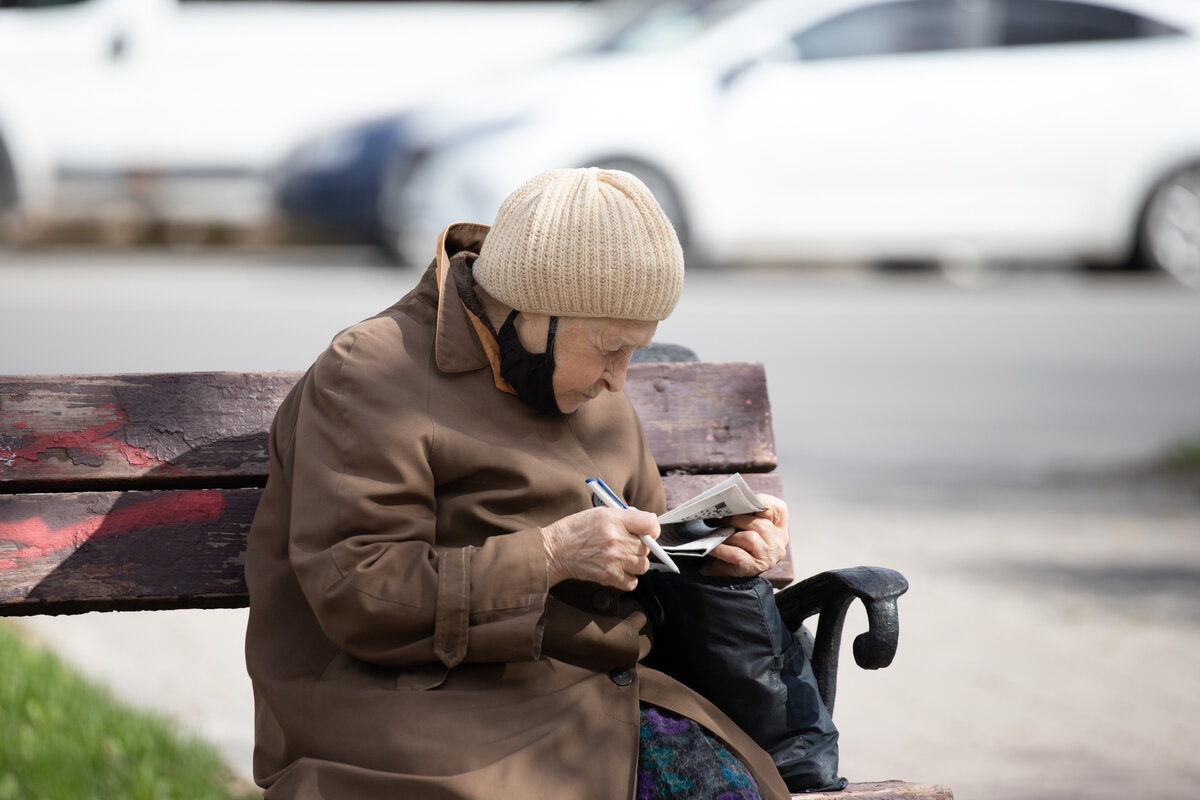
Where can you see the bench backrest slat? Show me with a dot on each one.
(210, 428)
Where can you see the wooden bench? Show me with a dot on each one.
(131, 492)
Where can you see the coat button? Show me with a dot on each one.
(603, 601)
(621, 677)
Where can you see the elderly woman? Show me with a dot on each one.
(436, 609)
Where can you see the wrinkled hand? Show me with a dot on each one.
(759, 543)
(600, 545)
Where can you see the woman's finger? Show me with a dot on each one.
(727, 561)
(751, 541)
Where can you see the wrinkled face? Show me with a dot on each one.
(590, 355)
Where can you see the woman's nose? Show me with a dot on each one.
(614, 376)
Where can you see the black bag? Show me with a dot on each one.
(724, 638)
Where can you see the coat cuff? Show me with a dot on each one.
(491, 600)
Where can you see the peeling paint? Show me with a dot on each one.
(87, 447)
(34, 538)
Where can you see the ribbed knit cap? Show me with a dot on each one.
(583, 243)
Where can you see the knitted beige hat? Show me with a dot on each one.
(583, 243)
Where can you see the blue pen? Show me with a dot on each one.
(613, 500)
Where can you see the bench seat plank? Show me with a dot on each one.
(210, 428)
(884, 790)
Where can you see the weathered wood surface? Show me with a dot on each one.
(884, 790)
(210, 428)
(104, 430)
(705, 417)
(68, 552)
(137, 491)
(96, 551)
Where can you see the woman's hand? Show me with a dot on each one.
(760, 542)
(600, 545)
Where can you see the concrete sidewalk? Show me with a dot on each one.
(1049, 642)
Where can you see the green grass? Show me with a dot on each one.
(1184, 456)
(63, 737)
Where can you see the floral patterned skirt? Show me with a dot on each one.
(681, 761)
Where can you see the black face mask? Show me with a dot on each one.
(530, 374)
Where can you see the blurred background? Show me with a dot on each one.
(962, 235)
(957, 133)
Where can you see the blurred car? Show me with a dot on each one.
(177, 110)
(943, 130)
(333, 180)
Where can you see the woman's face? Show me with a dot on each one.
(590, 355)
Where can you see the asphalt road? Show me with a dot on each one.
(992, 441)
(874, 378)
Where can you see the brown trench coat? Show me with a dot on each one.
(402, 640)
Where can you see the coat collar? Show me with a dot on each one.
(464, 341)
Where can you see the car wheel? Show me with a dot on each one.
(400, 243)
(8, 179)
(1169, 238)
(664, 192)
(9, 221)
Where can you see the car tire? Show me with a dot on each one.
(1169, 232)
(8, 180)
(399, 245)
(10, 227)
(7, 191)
(665, 193)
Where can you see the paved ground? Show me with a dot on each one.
(1049, 642)
(983, 442)
(1048, 645)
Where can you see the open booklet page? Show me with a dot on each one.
(694, 528)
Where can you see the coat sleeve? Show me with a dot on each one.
(363, 540)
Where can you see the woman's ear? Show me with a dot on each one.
(496, 311)
(533, 330)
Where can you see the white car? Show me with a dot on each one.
(945, 130)
(178, 110)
